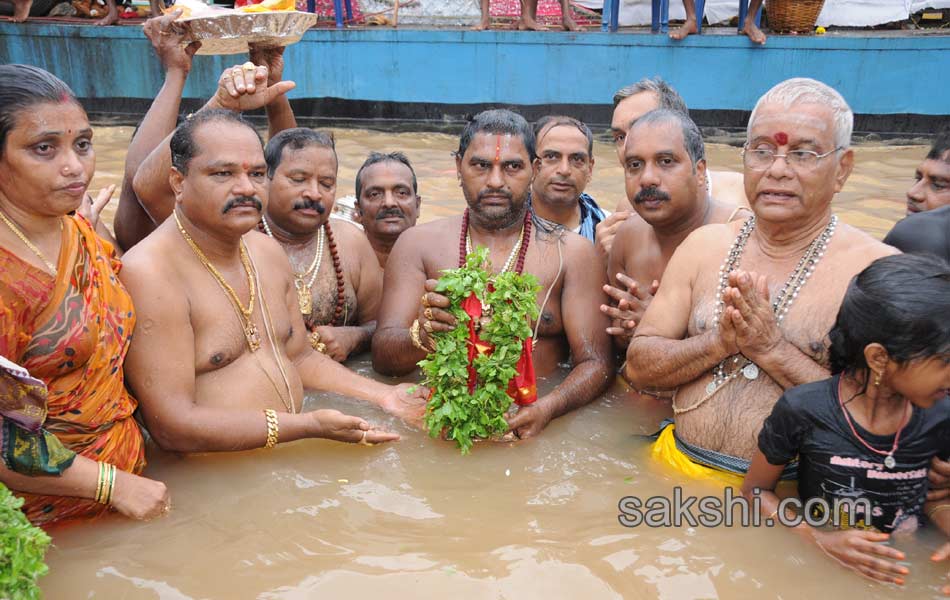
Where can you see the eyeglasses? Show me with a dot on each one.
(801, 160)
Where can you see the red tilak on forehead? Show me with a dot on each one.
(245, 165)
(781, 138)
(498, 149)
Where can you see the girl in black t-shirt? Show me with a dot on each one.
(865, 437)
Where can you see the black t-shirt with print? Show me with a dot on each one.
(808, 422)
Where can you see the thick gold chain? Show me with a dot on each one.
(244, 314)
(247, 312)
(16, 231)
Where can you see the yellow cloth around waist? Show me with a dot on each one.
(665, 450)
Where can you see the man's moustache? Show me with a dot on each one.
(650, 193)
(390, 212)
(310, 204)
(241, 200)
(484, 193)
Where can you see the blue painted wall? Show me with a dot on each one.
(877, 75)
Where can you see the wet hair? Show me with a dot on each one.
(379, 157)
(800, 90)
(23, 86)
(941, 147)
(297, 138)
(183, 145)
(901, 302)
(498, 121)
(552, 121)
(692, 136)
(667, 96)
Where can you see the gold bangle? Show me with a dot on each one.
(111, 487)
(100, 482)
(273, 428)
(936, 509)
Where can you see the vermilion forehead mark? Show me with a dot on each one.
(245, 166)
(781, 138)
(498, 149)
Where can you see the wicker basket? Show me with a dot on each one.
(793, 15)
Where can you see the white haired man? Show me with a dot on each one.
(744, 307)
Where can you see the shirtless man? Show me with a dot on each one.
(731, 358)
(336, 274)
(387, 200)
(631, 103)
(494, 168)
(563, 168)
(219, 336)
(665, 175)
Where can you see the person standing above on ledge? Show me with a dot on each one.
(529, 15)
(494, 169)
(691, 25)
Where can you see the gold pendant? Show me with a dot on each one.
(304, 299)
(253, 338)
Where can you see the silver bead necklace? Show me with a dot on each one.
(780, 306)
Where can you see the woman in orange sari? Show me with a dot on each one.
(70, 450)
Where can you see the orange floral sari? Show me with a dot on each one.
(73, 332)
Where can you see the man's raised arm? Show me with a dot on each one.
(132, 222)
(239, 89)
(660, 355)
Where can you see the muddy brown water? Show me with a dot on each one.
(414, 519)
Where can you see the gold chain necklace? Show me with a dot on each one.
(16, 231)
(304, 295)
(268, 329)
(244, 314)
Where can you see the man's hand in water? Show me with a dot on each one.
(863, 552)
(629, 306)
(606, 230)
(339, 341)
(756, 329)
(406, 401)
(167, 39)
(939, 476)
(435, 313)
(334, 425)
(530, 420)
(245, 87)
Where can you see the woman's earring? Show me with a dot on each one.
(877, 379)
